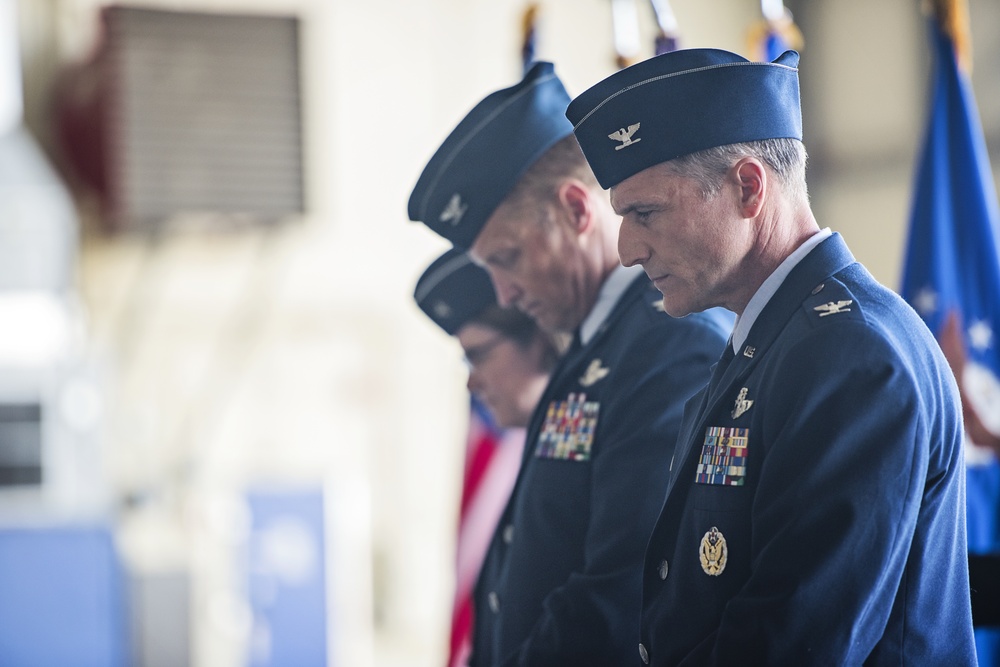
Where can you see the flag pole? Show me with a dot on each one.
(625, 24)
(529, 35)
(668, 37)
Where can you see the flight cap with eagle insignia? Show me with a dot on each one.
(452, 291)
(483, 158)
(683, 102)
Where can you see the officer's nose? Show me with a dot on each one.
(507, 291)
(474, 384)
(630, 250)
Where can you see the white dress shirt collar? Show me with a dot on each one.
(612, 289)
(767, 289)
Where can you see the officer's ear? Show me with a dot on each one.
(751, 178)
(577, 203)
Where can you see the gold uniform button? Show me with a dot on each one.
(494, 602)
(663, 569)
(644, 654)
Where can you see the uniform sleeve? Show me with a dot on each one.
(593, 619)
(851, 460)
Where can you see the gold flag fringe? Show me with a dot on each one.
(784, 27)
(953, 17)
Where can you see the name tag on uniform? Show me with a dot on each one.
(568, 431)
(723, 456)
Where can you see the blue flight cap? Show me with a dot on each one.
(453, 291)
(682, 102)
(483, 158)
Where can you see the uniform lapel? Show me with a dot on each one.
(639, 286)
(572, 361)
(828, 258)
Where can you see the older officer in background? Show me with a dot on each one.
(815, 510)
(560, 585)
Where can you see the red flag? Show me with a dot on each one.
(492, 459)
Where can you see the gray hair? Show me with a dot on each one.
(785, 157)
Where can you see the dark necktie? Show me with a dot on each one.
(720, 368)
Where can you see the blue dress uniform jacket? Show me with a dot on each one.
(560, 583)
(815, 510)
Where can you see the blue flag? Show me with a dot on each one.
(774, 34)
(776, 45)
(952, 278)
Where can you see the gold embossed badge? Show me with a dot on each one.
(713, 552)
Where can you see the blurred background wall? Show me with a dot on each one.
(202, 372)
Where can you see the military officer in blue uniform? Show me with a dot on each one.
(560, 585)
(509, 357)
(815, 509)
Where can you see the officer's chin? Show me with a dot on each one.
(675, 308)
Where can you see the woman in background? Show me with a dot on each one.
(509, 360)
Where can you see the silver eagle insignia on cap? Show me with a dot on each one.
(625, 136)
(454, 211)
(442, 309)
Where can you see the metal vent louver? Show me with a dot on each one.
(204, 114)
(20, 444)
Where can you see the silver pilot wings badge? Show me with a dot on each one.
(593, 373)
(742, 404)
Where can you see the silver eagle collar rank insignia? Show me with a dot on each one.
(454, 211)
(713, 552)
(834, 308)
(594, 373)
(625, 136)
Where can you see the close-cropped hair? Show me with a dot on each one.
(785, 157)
(564, 159)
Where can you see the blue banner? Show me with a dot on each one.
(952, 278)
(62, 598)
(287, 578)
